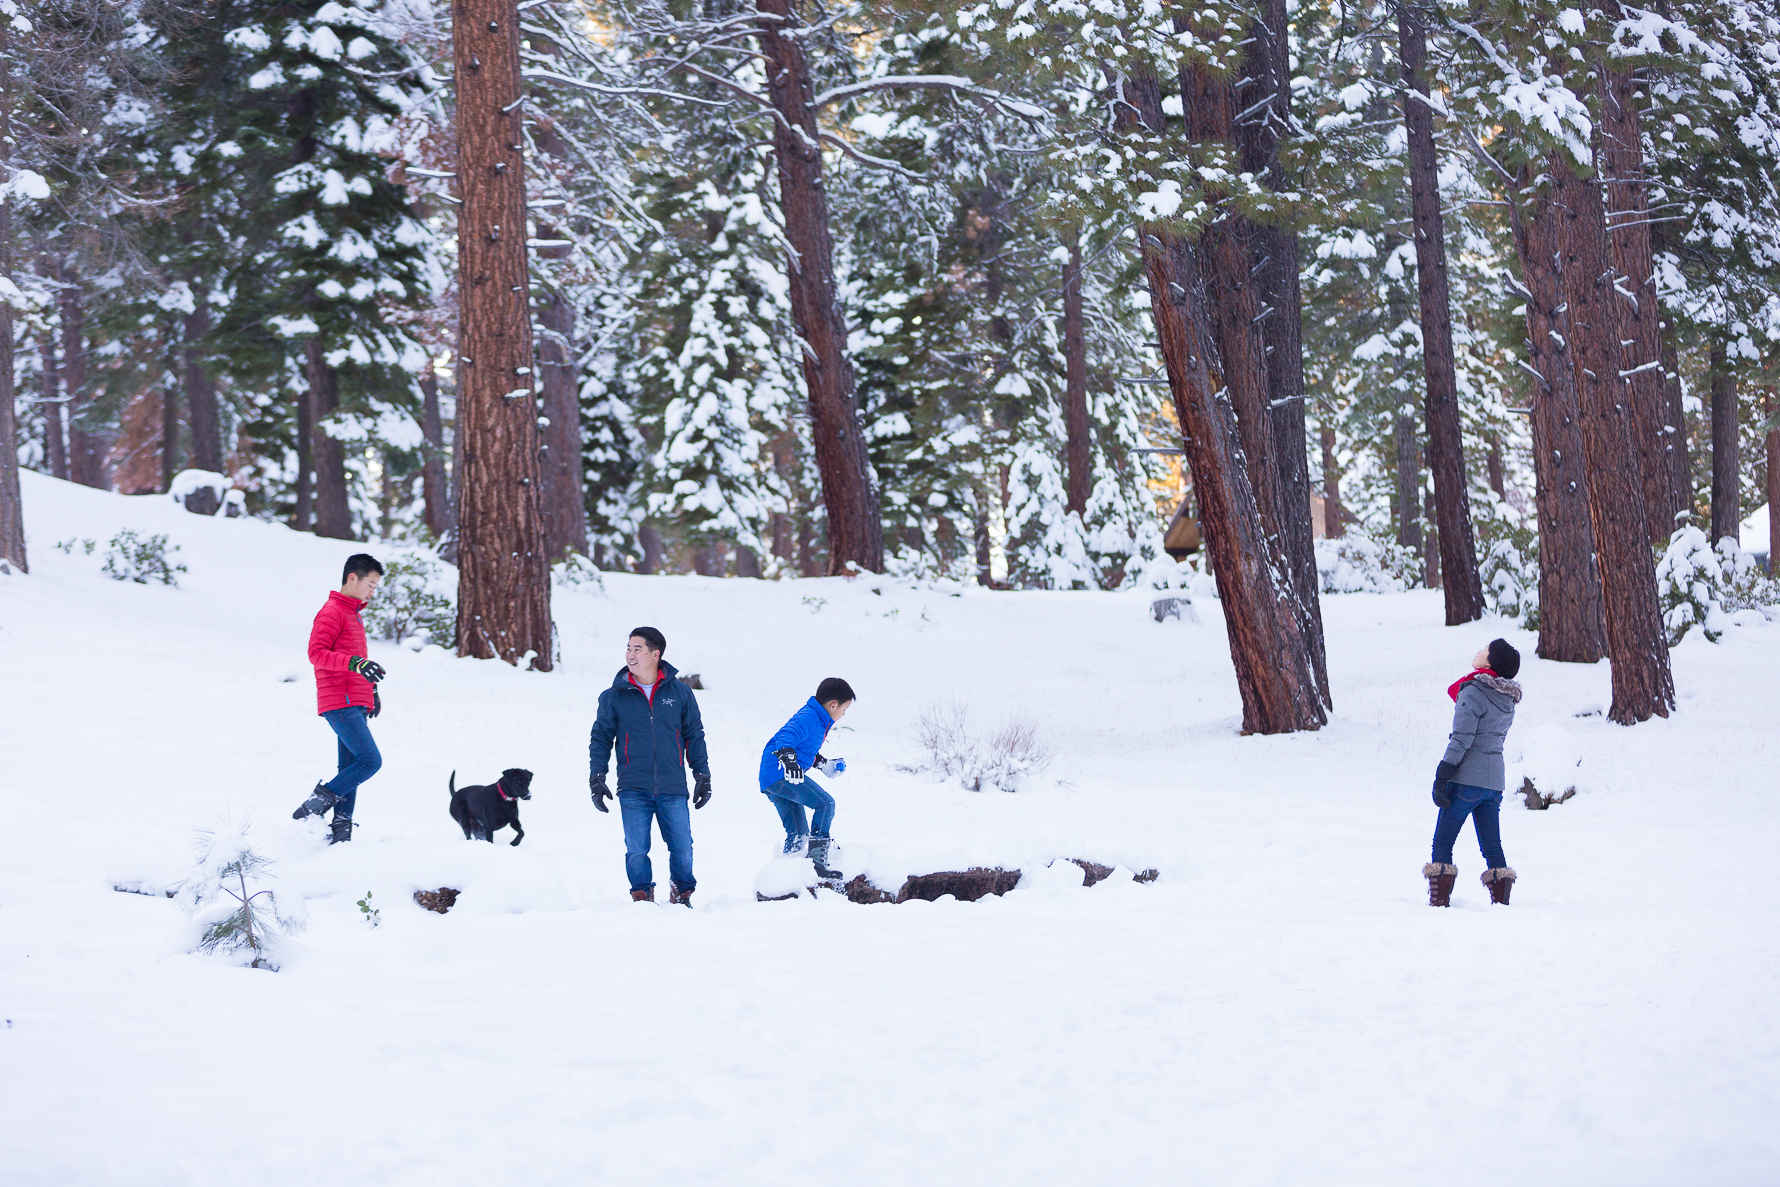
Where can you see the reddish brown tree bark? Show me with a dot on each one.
(202, 414)
(333, 511)
(1642, 684)
(1445, 444)
(1333, 517)
(1571, 628)
(1078, 458)
(435, 485)
(55, 445)
(1770, 405)
(12, 511)
(503, 587)
(855, 523)
(304, 511)
(1727, 511)
(89, 453)
(1620, 158)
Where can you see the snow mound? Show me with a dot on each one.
(1550, 756)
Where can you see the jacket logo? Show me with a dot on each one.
(667, 700)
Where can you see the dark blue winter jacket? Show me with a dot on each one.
(652, 741)
(804, 733)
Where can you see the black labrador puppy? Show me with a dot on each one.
(482, 811)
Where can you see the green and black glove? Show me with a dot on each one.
(370, 669)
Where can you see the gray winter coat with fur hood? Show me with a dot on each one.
(1480, 721)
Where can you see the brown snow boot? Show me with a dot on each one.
(680, 896)
(1499, 881)
(1440, 878)
(645, 895)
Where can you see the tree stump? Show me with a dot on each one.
(440, 900)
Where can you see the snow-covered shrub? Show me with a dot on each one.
(1002, 760)
(577, 572)
(406, 606)
(130, 557)
(229, 894)
(1356, 563)
(1703, 586)
(1510, 584)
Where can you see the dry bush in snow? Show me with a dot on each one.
(1003, 759)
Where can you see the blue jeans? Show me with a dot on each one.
(1484, 806)
(791, 799)
(670, 813)
(359, 759)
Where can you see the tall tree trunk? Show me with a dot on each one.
(201, 409)
(1431, 575)
(55, 446)
(1675, 413)
(435, 489)
(1446, 451)
(170, 454)
(1274, 674)
(12, 512)
(1493, 460)
(503, 564)
(1333, 517)
(1620, 158)
(1408, 485)
(1771, 405)
(653, 554)
(1274, 265)
(89, 452)
(333, 510)
(1078, 457)
(855, 522)
(1642, 684)
(1571, 628)
(1727, 513)
(304, 514)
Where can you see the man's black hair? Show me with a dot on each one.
(834, 689)
(656, 641)
(358, 565)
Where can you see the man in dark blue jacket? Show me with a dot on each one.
(650, 718)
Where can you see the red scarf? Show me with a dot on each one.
(1453, 691)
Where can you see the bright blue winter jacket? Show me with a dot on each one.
(652, 742)
(804, 733)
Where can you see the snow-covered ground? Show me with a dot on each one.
(1281, 1006)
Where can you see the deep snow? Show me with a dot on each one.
(1280, 1007)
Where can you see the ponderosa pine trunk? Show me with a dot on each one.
(169, 435)
(1273, 249)
(202, 413)
(1333, 517)
(1727, 512)
(1077, 454)
(1642, 684)
(1274, 675)
(1620, 157)
(1571, 628)
(333, 510)
(55, 445)
(435, 485)
(304, 511)
(89, 453)
(1445, 445)
(1771, 405)
(1408, 476)
(12, 511)
(503, 566)
(855, 521)
(1675, 413)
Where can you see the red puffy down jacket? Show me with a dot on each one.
(336, 637)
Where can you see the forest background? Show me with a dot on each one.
(232, 242)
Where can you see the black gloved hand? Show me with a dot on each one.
(596, 783)
(701, 790)
(1442, 774)
(370, 669)
(788, 764)
(376, 702)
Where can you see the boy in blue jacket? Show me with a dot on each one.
(784, 764)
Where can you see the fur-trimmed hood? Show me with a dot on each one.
(1507, 688)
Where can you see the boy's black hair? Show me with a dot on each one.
(834, 689)
(358, 565)
(655, 639)
(1504, 659)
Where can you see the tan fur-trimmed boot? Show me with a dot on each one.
(1498, 881)
(1440, 878)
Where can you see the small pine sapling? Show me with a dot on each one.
(229, 894)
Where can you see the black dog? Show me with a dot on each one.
(483, 811)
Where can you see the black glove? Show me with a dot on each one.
(370, 669)
(376, 702)
(701, 790)
(789, 765)
(596, 783)
(1442, 773)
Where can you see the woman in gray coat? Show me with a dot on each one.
(1469, 779)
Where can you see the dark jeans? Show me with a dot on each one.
(1484, 806)
(791, 799)
(359, 759)
(670, 814)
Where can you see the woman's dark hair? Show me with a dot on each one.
(834, 689)
(359, 564)
(654, 638)
(1504, 659)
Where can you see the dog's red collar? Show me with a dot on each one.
(500, 787)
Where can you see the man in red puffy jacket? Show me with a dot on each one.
(346, 692)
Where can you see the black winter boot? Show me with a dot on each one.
(680, 896)
(1441, 877)
(342, 829)
(1499, 882)
(819, 856)
(319, 801)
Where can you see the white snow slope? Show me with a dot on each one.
(1281, 1007)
